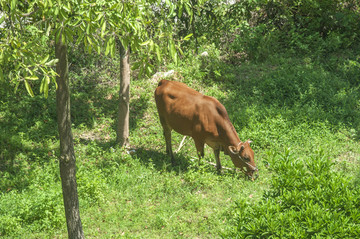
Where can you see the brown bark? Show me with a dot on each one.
(67, 155)
(122, 132)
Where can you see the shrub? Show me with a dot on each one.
(311, 27)
(309, 88)
(36, 209)
(308, 198)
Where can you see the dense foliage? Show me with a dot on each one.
(311, 27)
(307, 198)
(288, 73)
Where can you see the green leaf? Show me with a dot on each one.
(114, 6)
(46, 87)
(58, 33)
(1, 75)
(148, 70)
(188, 8)
(42, 85)
(69, 35)
(89, 40)
(172, 11)
(181, 52)
(145, 43)
(107, 49)
(136, 65)
(172, 51)
(89, 49)
(48, 30)
(2, 19)
(52, 62)
(112, 49)
(63, 14)
(181, 7)
(31, 77)
(56, 85)
(103, 28)
(13, 5)
(42, 62)
(28, 88)
(157, 49)
(99, 16)
(152, 45)
(188, 37)
(56, 12)
(66, 9)
(63, 38)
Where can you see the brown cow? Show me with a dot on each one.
(203, 118)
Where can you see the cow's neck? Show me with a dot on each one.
(230, 136)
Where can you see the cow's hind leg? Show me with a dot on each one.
(167, 135)
(199, 144)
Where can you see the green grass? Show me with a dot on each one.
(288, 106)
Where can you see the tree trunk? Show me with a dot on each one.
(122, 132)
(67, 155)
(194, 34)
(193, 3)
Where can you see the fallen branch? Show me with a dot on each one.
(213, 164)
(181, 144)
(222, 167)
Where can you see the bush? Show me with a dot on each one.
(308, 198)
(311, 91)
(36, 209)
(311, 27)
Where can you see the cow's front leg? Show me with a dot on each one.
(217, 158)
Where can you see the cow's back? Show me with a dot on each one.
(187, 111)
(176, 104)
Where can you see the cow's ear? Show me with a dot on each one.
(232, 149)
(249, 141)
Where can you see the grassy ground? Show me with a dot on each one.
(288, 105)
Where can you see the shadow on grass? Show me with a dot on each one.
(96, 103)
(138, 107)
(27, 131)
(161, 161)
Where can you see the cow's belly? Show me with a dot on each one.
(180, 124)
(213, 143)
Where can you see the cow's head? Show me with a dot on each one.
(243, 157)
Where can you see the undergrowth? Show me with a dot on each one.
(302, 115)
(308, 198)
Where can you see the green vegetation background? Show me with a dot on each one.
(289, 80)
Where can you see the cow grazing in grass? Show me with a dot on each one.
(203, 118)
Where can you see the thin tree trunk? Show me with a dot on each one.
(122, 131)
(193, 27)
(67, 155)
(194, 34)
